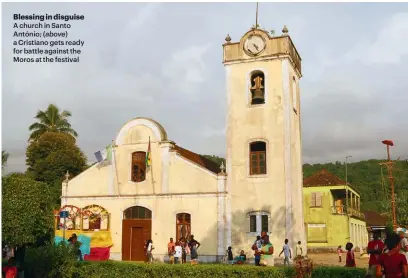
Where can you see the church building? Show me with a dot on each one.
(176, 192)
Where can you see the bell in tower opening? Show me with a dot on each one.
(257, 87)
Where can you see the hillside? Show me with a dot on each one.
(366, 176)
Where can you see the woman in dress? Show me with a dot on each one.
(194, 245)
(266, 252)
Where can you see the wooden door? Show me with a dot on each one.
(136, 244)
(134, 234)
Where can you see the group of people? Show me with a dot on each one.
(177, 251)
(263, 251)
(388, 258)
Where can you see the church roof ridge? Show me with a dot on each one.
(198, 159)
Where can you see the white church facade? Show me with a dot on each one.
(183, 193)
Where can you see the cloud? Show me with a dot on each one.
(186, 69)
(389, 46)
(164, 61)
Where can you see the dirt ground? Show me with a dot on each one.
(333, 259)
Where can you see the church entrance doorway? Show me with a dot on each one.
(136, 229)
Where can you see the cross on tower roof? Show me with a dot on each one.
(256, 18)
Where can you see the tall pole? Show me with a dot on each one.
(390, 165)
(66, 201)
(347, 157)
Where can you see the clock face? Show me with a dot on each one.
(254, 45)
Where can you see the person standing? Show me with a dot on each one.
(230, 256)
(177, 253)
(299, 250)
(149, 251)
(404, 244)
(257, 246)
(375, 248)
(194, 245)
(266, 252)
(394, 263)
(350, 260)
(171, 250)
(185, 249)
(10, 270)
(76, 245)
(287, 253)
(339, 251)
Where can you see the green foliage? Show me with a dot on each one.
(124, 270)
(49, 261)
(27, 216)
(401, 202)
(4, 157)
(368, 178)
(218, 160)
(51, 120)
(52, 155)
(339, 272)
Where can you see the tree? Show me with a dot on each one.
(51, 120)
(216, 159)
(401, 201)
(51, 156)
(4, 157)
(27, 215)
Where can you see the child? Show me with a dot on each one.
(339, 251)
(350, 261)
(299, 251)
(10, 269)
(178, 251)
(240, 259)
(257, 248)
(230, 257)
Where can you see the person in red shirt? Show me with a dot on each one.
(10, 270)
(375, 248)
(350, 261)
(393, 263)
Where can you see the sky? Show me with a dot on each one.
(164, 61)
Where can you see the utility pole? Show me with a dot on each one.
(65, 213)
(347, 157)
(390, 165)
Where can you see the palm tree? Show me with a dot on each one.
(51, 120)
(4, 156)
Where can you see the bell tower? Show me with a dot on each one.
(264, 150)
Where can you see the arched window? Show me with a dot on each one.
(137, 212)
(183, 225)
(95, 217)
(257, 156)
(138, 166)
(257, 87)
(294, 94)
(258, 222)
